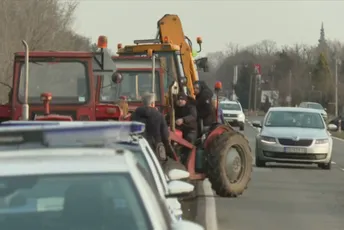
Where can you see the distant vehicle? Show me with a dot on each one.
(135, 143)
(96, 187)
(294, 135)
(233, 113)
(314, 105)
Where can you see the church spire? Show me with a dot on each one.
(322, 35)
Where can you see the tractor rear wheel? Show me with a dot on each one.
(229, 164)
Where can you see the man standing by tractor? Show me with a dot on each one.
(204, 105)
(156, 131)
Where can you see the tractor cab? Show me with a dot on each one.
(50, 85)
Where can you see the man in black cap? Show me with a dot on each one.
(186, 118)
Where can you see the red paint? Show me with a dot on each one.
(53, 117)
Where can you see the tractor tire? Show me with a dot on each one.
(173, 164)
(217, 152)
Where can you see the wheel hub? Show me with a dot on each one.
(233, 165)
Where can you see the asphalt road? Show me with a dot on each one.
(280, 197)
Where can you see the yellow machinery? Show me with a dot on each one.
(174, 48)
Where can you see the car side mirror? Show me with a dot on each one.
(116, 78)
(177, 174)
(325, 109)
(332, 127)
(178, 188)
(257, 124)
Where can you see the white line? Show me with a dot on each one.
(210, 207)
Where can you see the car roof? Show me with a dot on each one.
(308, 102)
(229, 102)
(294, 109)
(64, 161)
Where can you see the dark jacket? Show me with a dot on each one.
(156, 127)
(189, 115)
(204, 105)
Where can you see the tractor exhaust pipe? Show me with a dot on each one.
(153, 74)
(25, 106)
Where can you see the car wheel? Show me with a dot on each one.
(326, 166)
(242, 127)
(259, 163)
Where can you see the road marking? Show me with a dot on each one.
(210, 207)
(332, 162)
(338, 139)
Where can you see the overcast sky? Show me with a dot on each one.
(217, 22)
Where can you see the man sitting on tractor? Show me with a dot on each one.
(186, 118)
(204, 105)
(156, 132)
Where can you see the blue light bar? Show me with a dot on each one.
(55, 134)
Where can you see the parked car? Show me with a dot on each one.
(233, 113)
(293, 135)
(80, 188)
(317, 106)
(94, 134)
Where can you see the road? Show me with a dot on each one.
(280, 197)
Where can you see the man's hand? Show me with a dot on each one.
(179, 121)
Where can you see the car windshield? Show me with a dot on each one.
(230, 106)
(82, 201)
(133, 86)
(67, 81)
(315, 106)
(294, 119)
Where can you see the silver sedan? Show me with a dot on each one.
(294, 135)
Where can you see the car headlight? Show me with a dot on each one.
(241, 115)
(269, 140)
(321, 141)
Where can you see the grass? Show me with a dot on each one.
(338, 134)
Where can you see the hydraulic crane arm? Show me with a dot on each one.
(170, 26)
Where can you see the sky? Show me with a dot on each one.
(217, 22)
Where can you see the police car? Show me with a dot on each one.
(113, 134)
(79, 188)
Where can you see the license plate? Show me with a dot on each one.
(229, 120)
(294, 150)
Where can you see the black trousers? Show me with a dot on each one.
(190, 136)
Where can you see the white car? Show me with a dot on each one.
(294, 135)
(138, 145)
(80, 188)
(233, 113)
(317, 106)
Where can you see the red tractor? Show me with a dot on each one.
(49, 85)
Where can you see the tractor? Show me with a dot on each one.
(221, 153)
(50, 85)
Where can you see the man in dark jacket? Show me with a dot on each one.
(156, 127)
(204, 105)
(186, 118)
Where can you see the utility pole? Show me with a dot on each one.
(336, 86)
(250, 94)
(255, 93)
(289, 99)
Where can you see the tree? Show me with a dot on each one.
(45, 25)
(322, 80)
(242, 88)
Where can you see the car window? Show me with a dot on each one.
(82, 201)
(157, 198)
(227, 106)
(315, 106)
(294, 119)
